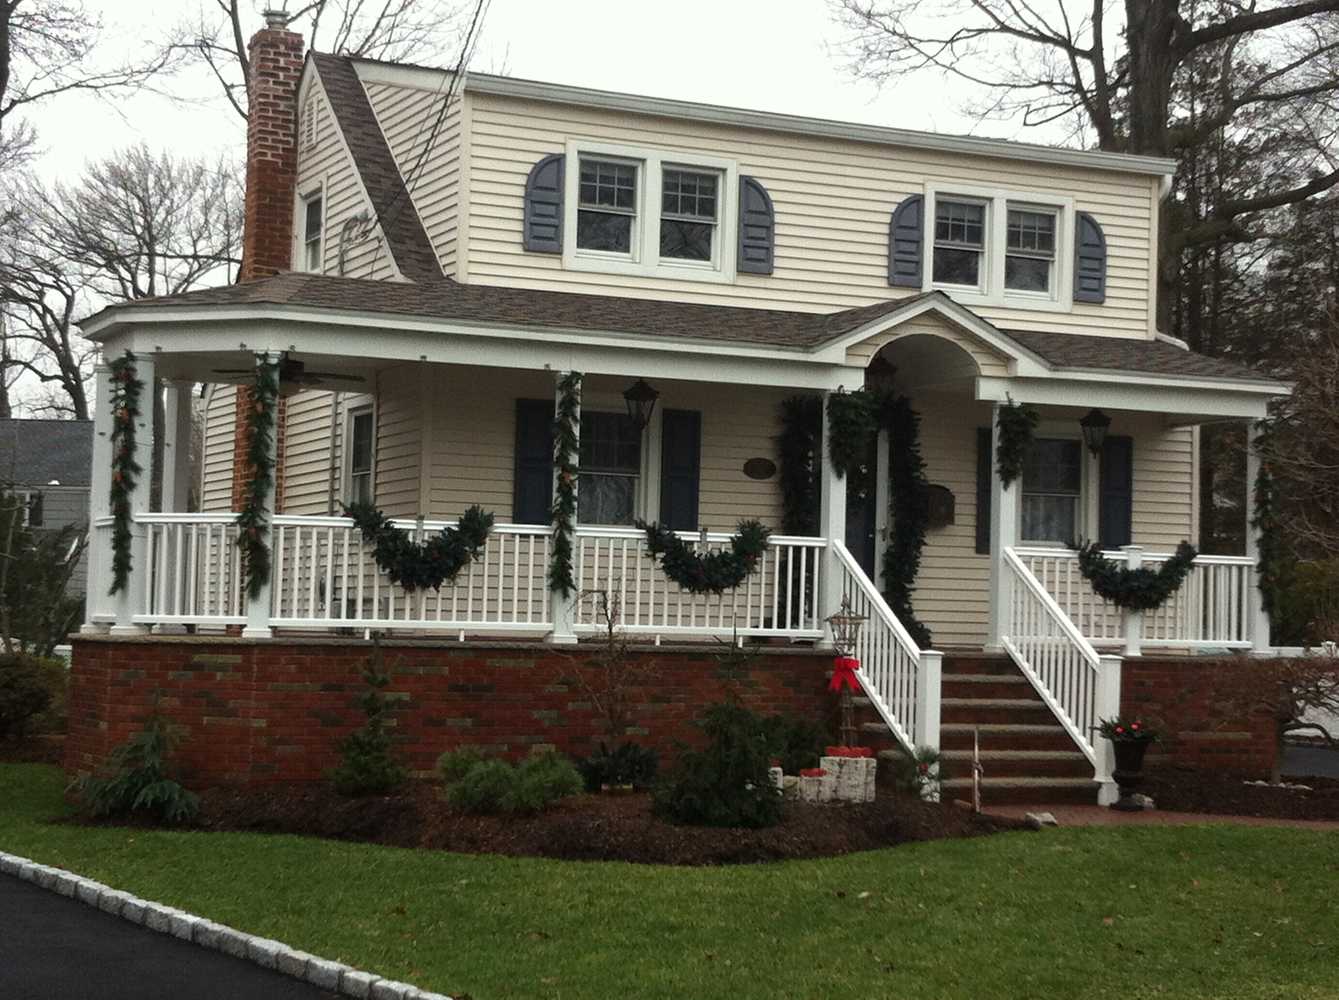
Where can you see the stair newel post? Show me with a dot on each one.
(929, 688)
(1004, 515)
(1132, 620)
(1107, 707)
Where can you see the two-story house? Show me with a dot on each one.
(427, 258)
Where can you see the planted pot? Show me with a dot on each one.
(1129, 772)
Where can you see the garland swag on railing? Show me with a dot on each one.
(711, 572)
(126, 388)
(419, 566)
(253, 524)
(565, 457)
(1142, 589)
(1016, 424)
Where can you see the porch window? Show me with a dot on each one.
(960, 242)
(313, 220)
(607, 206)
(688, 220)
(1052, 490)
(1029, 260)
(611, 465)
(361, 438)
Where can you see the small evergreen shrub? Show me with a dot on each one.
(25, 692)
(797, 743)
(366, 766)
(727, 783)
(540, 781)
(487, 785)
(921, 773)
(627, 764)
(136, 778)
(484, 788)
(455, 764)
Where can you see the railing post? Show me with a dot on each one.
(260, 606)
(929, 682)
(562, 608)
(130, 598)
(1003, 535)
(832, 526)
(1133, 621)
(1257, 618)
(1107, 707)
(99, 554)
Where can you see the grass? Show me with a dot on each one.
(1213, 912)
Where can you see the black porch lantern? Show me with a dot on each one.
(641, 400)
(1094, 425)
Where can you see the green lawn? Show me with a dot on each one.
(1213, 912)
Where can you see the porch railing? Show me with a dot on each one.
(1211, 609)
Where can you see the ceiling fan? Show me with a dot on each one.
(294, 377)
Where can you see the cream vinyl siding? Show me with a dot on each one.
(833, 200)
(1164, 482)
(400, 402)
(216, 461)
(406, 115)
(327, 164)
(308, 452)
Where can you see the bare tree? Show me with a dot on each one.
(397, 30)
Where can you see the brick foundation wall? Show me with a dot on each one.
(272, 710)
(1186, 697)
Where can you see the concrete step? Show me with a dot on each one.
(979, 663)
(1020, 764)
(981, 711)
(987, 686)
(1037, 736)
(1029, 791)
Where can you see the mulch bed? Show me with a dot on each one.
(46, 749)
(587, 827)
(1191, 790)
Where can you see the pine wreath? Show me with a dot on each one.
(126, 388)
(1016, 425)
(1142, 589)
(419, 566)
(852, 419)
(711, 572)
(565, 456)
(253, 524)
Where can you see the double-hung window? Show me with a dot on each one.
(313, 220)
(611, 468)
(688, 218)
(1029, 261)
(607, 207)
(960, 243)
(362, 446)
(1052, 497)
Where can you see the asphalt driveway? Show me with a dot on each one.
(54, 948)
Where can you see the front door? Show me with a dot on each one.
(862, 511)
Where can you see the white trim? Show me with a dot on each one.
(1194, 400)
(505, 86)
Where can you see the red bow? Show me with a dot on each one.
(843, 673)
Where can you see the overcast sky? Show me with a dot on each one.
(775, 55)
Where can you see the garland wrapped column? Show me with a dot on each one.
(253, 523)
(566, 454)
(126, 389)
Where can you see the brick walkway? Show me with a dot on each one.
(1101, 816)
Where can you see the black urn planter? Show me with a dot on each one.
(1129, 772)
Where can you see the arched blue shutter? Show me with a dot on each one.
(544, 206)
(532, 483)
(757, 228)
(906, 236)
(1090, 260)
(984, 446)
(1115, 508)
(680, 468)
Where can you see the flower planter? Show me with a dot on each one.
(1129, 772)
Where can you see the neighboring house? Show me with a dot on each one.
(429, 256)
(46, 463)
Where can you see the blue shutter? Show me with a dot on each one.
(532, 483)
(1116, 496)
(984, 447)
(757, 228)
(906, 236)
(1090, 260)
(544, 206)
(680, 468)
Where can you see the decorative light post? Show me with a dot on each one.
(845, 626)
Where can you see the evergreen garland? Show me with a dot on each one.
(126, 388)
(1142, 589)
(712, 572)
(801, 448)
(1265, 521)
(418, 566)
(565, 457)
(852, 419)
(1016, 424)
(253, 524)
(909, 500)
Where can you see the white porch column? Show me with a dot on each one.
(1133, 621)
(258, 607)
(129, 601)
(882, 504)
(562, 609)
(1257, 619)
(831, 524)
(99, 554)
(1107, 707)
(177, 428)
(1003, 534)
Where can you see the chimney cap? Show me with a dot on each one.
(276, 19)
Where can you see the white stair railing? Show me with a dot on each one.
(901, 680)
(1076, 683)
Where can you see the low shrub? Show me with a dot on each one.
(479, 784)
(727, 783)
(136, 778)
(797, 743)
(627, 764)
(25, 692)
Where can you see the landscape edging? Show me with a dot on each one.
(264, 952)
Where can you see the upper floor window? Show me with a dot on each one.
(960, 242)
(688, 219)
(361, 453)
(313, 222)
(607, 209)
(1029, 262)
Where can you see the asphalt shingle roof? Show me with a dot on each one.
(36, 452)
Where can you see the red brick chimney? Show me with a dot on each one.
(271, 187)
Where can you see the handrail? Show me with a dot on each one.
(1053, 609)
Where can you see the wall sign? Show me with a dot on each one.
(760, 468)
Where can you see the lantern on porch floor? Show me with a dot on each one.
(845, 626)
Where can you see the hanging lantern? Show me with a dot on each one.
(641, 400)
(1094, 425)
